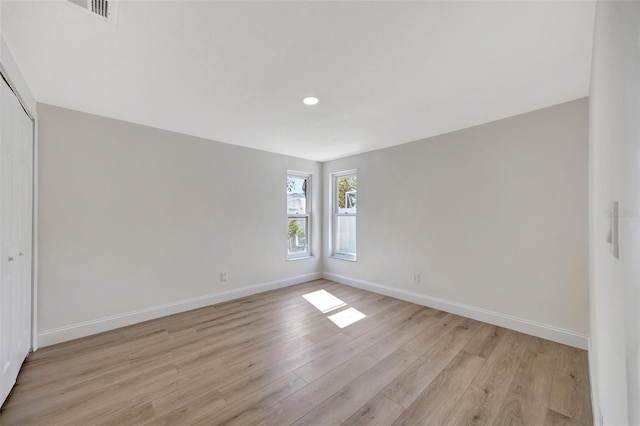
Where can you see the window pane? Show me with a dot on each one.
(346, 235)
(296, 195)
(347, 190)
(298, 235)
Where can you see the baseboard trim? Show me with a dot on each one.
(75, 331)
(533, 328)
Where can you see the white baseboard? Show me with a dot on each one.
(75, 331)
(533, 328)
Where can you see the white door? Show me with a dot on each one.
(16, 200)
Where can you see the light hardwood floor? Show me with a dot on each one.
(274, 359)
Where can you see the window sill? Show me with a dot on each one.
(308, 256)
(347, 258)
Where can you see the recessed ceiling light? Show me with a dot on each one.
(310, 100)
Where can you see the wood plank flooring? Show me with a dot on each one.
(274, 359)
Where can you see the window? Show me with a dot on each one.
(298, 214)
(345, 192)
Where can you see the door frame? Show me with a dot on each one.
(32, 114)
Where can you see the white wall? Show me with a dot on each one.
(133, 218)
(614, 152)
(493, 217)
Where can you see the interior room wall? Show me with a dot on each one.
(137, 222)
(614, 152)
(493, 219)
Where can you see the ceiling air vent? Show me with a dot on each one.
(105, 9)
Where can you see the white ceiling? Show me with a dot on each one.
(386, 72)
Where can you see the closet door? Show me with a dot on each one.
(16, 201)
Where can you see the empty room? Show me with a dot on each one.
(319, 212)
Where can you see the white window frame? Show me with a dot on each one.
(307, 216)
(335, 214)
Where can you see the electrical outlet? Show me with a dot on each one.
(224, 276)
(416, 278)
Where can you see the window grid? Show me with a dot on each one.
(344, 209)
(298, 215)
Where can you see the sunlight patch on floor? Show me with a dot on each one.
(324, 301)
(346, 317)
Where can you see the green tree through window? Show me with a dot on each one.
(346, 184)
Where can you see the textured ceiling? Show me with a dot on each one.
(386, 72)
